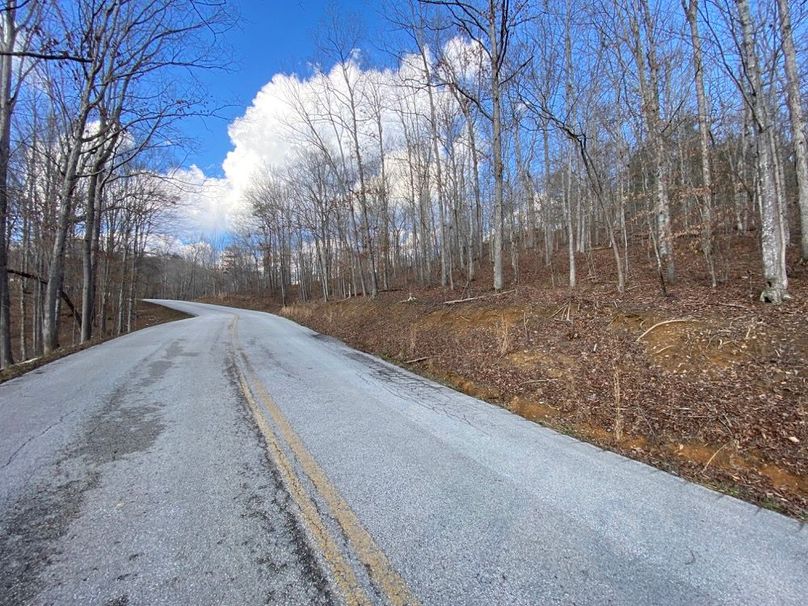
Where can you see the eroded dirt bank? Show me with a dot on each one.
(708, 383)
(717, 395)
(709, 388)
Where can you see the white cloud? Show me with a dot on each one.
(272, 131)
(207, 207)
(464, 58)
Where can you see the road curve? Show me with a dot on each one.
(239, 458)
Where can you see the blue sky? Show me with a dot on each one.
(272, 36)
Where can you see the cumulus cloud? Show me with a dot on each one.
(464, 58)
(260, 136)
(207, 207)
(291, 111)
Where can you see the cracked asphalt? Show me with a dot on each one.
(132, 473)
(238, 458)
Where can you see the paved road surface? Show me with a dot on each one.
(238, 458)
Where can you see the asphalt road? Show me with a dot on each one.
(238, 458)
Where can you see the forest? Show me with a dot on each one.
(593, 213)
(89, 104)
(489, 140)
(510, 132)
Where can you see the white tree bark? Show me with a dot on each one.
(691, 12)
(496, 143)
(771, 233)
(645, 57)
(797, 122)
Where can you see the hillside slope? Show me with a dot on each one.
(709, 384)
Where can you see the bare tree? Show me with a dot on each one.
(797, 121)
(8, 40)
(773, 242)
(691, 8)
(125, 42)
(17, 22)
(644, 28)
(491, 25)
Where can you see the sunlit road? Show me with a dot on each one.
(238, 458)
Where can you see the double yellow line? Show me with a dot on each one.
(280, 437)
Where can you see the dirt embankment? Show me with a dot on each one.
(706, 383)
(712, 390)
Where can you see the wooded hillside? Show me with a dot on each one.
(509, 130)
(90, 96)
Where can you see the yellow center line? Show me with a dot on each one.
(342, 572)
(379, 568)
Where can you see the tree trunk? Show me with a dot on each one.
(771, 233)
(569, 221)
(496, 144)
(797, 122)
(87, 261)
(649, 91)
(691, 11)
(9, 37)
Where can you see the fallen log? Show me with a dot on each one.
(466, 300)
(415, 360)
(663, 323)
